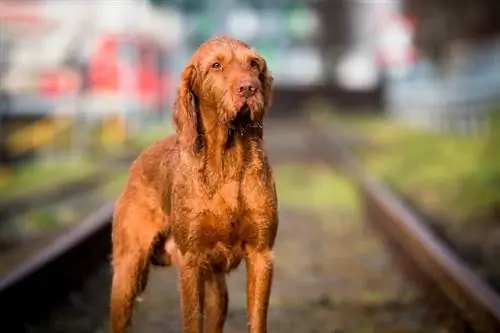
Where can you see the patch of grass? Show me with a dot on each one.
(113, 187)
(41, 221)
(313, 187)
(33, 176)
(451, 176)
(41, 174)
(153, 133)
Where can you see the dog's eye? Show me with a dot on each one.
(254, 64)
(216, 65)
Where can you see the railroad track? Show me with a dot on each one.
(30, 291)
(459, 299)
(47, 195)
(453, 292)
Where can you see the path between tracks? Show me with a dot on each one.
(332, 274)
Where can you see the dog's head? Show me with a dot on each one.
(226, 77)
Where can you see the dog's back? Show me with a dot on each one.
(151, 170)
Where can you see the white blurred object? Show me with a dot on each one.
(395, 44)
(69, 28)
(357, 71)
(171, 26)
(243, 23)
(113, 16)
(301, 66)
(139, 16)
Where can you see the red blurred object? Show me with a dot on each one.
(20, 12)
(132, 57)
(54, 83)
(149, 85)
(103, 69)
(24, 15)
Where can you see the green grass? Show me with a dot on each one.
(154, 132)
(451, 176)
(41, 174)
(37, 175)
(113, 187)
(313, 187)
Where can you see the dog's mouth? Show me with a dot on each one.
(247, 110)
(244, 110)
(243, 117)
(250, 104)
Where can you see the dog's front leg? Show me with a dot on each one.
(216, 302)
(192, 296)
(259, 264)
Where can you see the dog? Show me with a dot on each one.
(203, 199)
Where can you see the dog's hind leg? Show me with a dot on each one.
(129, 278)
(131, 258)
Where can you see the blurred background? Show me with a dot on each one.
(412, 85)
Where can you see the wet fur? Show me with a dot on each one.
(203, 199)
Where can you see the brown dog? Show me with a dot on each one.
(204, 198)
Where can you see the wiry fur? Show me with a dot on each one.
(204, 198)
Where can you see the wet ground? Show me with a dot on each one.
(332, 274)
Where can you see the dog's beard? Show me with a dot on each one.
(250, 109)
(239, 112)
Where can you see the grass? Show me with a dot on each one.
(112, 188)
(153, 133)
(41, 174)
(450, 176)
(29, 177)
(313, 187)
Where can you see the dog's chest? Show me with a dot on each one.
(217, 222)
(222, 200)
(217, 209)
(219, 225)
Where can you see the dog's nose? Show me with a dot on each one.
(246, 88)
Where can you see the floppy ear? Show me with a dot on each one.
(184, 115)
(267, 85)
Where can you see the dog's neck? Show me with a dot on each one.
(227, 142)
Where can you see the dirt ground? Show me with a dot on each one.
(332, 274)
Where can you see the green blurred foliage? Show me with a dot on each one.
(481, 186)
(449, 176)
(34, 176)
(313, 186)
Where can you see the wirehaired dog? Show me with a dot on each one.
(203, 199)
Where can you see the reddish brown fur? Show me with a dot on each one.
(204, 198)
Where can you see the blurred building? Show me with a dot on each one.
(455, 95)
(105, 58)
(82, 60)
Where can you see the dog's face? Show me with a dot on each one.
(231, 77)
(224, 76)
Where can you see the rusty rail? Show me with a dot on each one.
(29, 292)
(454, 292)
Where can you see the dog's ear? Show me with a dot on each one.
(266, 79)
(185, 110)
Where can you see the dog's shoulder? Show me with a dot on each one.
(159, 154)
(157, 150)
